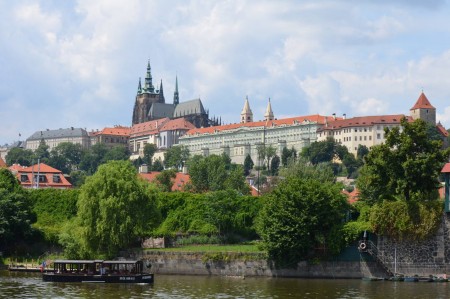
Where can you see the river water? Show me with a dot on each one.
(30, 285)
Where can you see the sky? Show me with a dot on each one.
(76, 63)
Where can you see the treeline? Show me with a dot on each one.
(303, 215)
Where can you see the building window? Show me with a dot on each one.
(42, 178)
(378, 136)
(56, 178)
(24, 178)
(370, 137)
(365, 138)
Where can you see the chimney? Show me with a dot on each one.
(344, 116)
(334, 116)
(185, 169)
(143, 168)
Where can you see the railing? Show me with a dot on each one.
(369, 247)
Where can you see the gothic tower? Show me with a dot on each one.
(145, 97)
(176, 96)
(246, 114)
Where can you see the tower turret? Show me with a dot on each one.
(139, 90)
(269, 113)
(424, 110)
(148, 87)
(246, 114)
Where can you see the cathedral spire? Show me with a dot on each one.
(176, 96)
(148, 87)
(139, 91)
(161, 92)
(269, 113)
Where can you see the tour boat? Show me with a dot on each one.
(98, 271)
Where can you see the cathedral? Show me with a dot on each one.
(150, 104)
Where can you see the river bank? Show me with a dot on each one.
(251, 265)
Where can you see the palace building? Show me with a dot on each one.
(242, 139)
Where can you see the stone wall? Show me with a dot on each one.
(199, 264)
(427, 257)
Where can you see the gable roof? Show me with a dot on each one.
(161, 110)
(42, 167)
(115, 131)
(48, 172)
(147, 127)
(363, 121)
(422, 103)
(189, 107)
(442, 130)
(319, 119)
(180, 180)
(446, 168)
(177, 124)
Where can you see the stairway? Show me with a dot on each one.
(368, 247)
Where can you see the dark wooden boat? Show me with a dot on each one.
(98, 271)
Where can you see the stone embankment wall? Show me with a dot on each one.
(427, 257)
(248, 265)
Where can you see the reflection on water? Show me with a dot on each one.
(30, 285)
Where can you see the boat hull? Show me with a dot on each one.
(138, 278)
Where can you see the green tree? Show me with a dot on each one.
(149, 151)
(165, 179)
(207, 173)
(248, 164)
(274, 165)
(288, 154)
(176, 156)
(77, 177)
(42, 152)
(407, 165)
(114, 209)
(66, 156)
(116, 153)
(92, 158)
(270, 153)
(362, 152)
(16, 215)
(298, 215)
(302, 169)
(18, 155)
(320, 151)
(236, 181)
(158, 165)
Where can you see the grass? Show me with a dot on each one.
(211, 248)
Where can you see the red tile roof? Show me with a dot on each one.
(177, 124)
(2, 163)
(116, 131)
(44, 170)
(180, 180)
(442, 130)
(422, 103)
(149, 127)
(362, 121)
(446, 168)
(271, 123)
(352, 197)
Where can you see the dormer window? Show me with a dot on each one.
(56, 178)
(24, 178)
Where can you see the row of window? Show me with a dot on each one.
(40, 178)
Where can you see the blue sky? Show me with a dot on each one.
(77, 62)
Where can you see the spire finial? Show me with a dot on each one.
(148, 87)
(176, 95)
(139, 91)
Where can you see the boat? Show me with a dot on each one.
(98, 271)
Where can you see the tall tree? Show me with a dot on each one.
(270, 153)
(20, 156)
(16, 215)
(114, 209)
(406, 165)
(165, 179)
(66, 156)
(298, 215)
(248, 164)
(274, 165)
(42, 152)
(176, 156)
(288, 154)
(149, 151)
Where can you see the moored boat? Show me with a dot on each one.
(98, 271)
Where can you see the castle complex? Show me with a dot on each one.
(150, 105)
